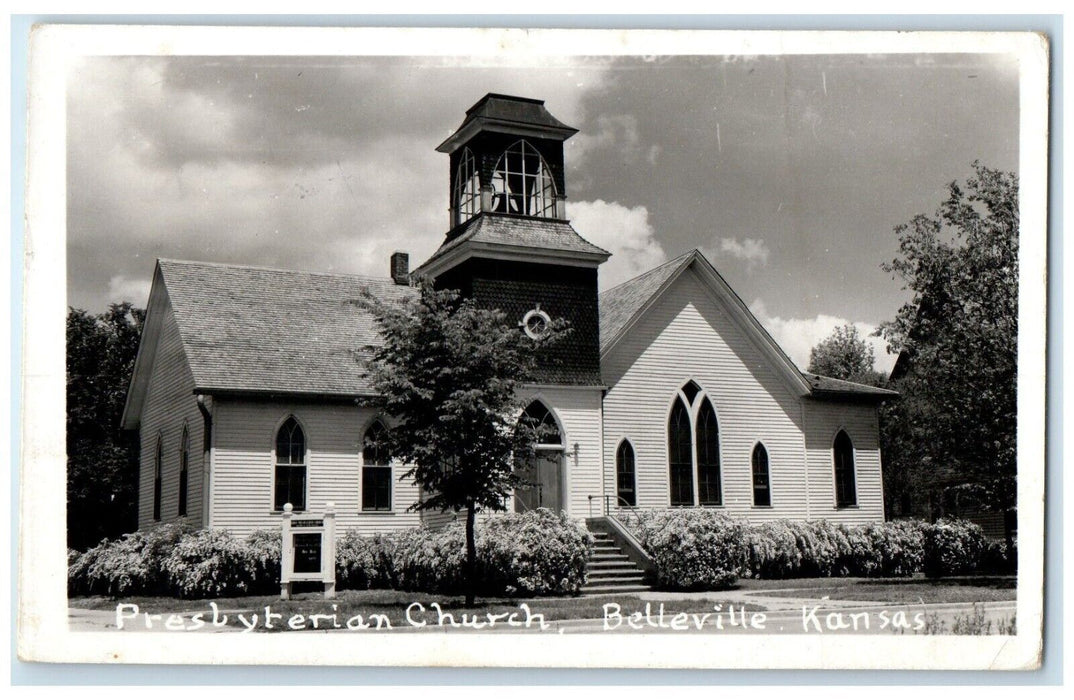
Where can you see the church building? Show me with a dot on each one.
(249, 390)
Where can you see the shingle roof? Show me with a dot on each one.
(619, 304)
(256, 329)
(520, 232)
(822, 386)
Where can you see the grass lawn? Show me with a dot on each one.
(970, 589)
(393, 606)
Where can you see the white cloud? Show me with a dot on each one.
(754, 251)
(122, 288)
(625, 232)
(797, 336)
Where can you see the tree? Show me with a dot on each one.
(845, 355)
(102, 474)
(952, 435)
(449, 374)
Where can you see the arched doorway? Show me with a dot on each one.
(544, 471)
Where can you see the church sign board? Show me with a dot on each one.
(309, 551)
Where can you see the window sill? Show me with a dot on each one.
(850, 507)
(378, 512)
(768, 507)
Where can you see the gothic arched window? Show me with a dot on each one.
(376, 469)
(624, 475)
(542, 419)
(694, 449)
(762, 489)
(522, 183)
(290, 484)
(846, 494)
(184, 469)
(680, 455)
(158, 459)
(708, 456)
(467, 188)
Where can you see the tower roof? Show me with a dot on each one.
(523, 116)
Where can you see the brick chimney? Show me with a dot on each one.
(401, 267)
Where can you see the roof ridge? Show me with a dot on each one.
(265, 268)
(650, 271)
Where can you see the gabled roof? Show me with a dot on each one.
(622, 306)
(504, 234)
(822, 386)
(263, 330)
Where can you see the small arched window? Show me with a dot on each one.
(184, 469)
(158, 481)
(376, 469)
(542, 419)
(290, 466)
(467, 188)
(680, 455)
(762, 491)
(624, 475)
(522, 183)
(846, 494)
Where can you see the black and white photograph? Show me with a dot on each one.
(585, 348)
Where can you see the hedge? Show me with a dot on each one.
(536, 553)
(694, 549)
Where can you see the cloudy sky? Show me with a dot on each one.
(788, 173)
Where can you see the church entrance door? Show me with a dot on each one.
(544, 476)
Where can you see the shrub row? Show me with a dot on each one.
(703, 549)
(536, 553)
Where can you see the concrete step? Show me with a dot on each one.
(612, 563)
(607, 590)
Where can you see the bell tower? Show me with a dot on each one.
(509, 244)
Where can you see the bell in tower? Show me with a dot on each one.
(507, 158)
(509, 244)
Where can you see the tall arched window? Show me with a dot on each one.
(846, 494)
(680, 455)
(762, 491)
(290, 466)
(708, 456)
(184, 467)
(522, 183)
(694, 449)
(158, 461)
(624, 475)
(376, 469)
(467, 188)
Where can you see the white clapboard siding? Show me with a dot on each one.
(689, 334)
(169, 404)
(823, 422)
(244, 435)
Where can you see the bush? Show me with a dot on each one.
(773, 551)
(953, 548)
(263, 555)
(132, 565)
(694, 549)
(999, 559)
(533, 553)
(791, 549)
(208, 564)
(358, 562)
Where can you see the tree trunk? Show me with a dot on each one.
(471, 555)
